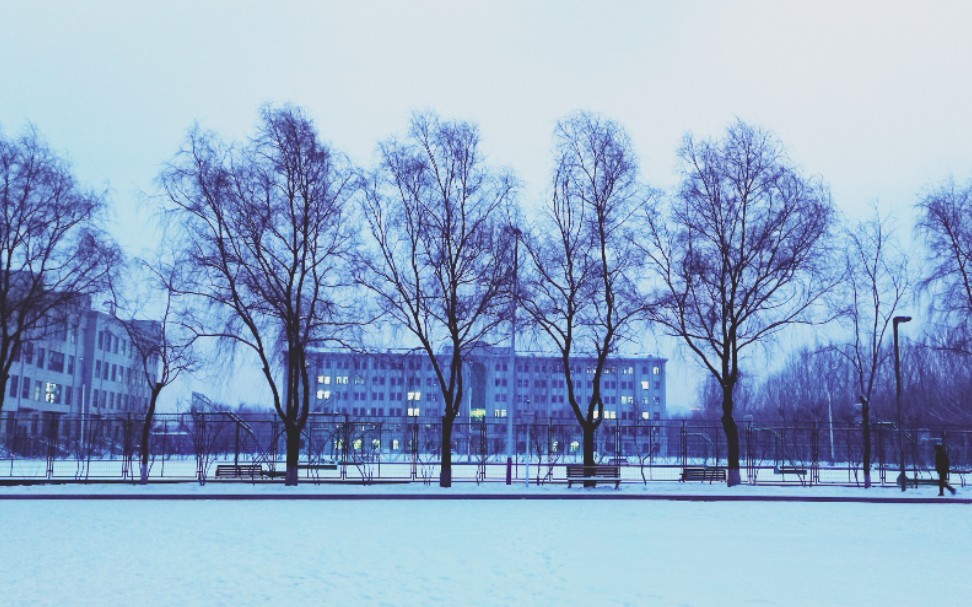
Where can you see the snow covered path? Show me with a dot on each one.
(476, 552)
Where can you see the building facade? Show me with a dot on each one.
(528, 386)
(86, 365)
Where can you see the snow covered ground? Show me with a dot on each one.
(414, 551)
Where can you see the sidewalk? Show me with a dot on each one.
(667, 491)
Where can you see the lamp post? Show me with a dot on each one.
(510, 434)
(897, 320)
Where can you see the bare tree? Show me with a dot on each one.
(876, 282)
(163, 346)
(945, 224)
(269, 236)
(739, 255)
(442, 259)
(578, 289)
(53, 251)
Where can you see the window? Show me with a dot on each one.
(645, 384)
(70, 364)
(341, 379)
(627, 400)
(114, 373)
(40, 357)
(499, 412)
(414, 396)
(414, 412)
(627, 370)
(655, 371)
(25, 388)
(14, 384)
(68, 392)
(323, 395)
(55, 362)
(645, 415)
(52, 393)
(97, 369)
(359, 380)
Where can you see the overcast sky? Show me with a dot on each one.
(875, 97)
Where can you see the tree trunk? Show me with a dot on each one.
(733, 477)
(146, 430)
(589, 428)
(866, 427)
(293, 454)
(445, 470)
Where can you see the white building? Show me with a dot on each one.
(88, 365)
(403, 384)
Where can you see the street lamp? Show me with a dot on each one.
(510, 435)
(897, 320)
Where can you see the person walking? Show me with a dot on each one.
(942, 466)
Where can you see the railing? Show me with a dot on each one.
(189, 446)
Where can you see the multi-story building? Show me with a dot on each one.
(497, 385)
(86, 365)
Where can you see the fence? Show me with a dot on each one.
(334, 448)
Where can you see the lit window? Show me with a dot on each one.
(477, 413)
(655, 371)
(414, 396)
(414, 412)
(645, 415)
(52, 393)
(610, 414)
(574, 447)
(645, 384)
(323, 395)
(395, 444)
(341, 379)
(627, 370)
(499, 412)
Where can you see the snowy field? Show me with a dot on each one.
(480, 551)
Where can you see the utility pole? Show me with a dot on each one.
(897, 381)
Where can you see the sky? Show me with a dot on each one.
(874, 97)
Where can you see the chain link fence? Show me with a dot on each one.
(193, 446)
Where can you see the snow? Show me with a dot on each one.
(482, 545)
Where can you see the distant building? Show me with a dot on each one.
(85, 365)
(403, 384)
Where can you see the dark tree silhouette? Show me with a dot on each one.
(269, 235)
(53, 251)
(739, 255)
(442, 260)
(875, 284)
(164, 345)
(578, 288)
(945, 225)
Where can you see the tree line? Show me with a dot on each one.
(278, 244)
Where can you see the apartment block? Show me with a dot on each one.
(497, 385)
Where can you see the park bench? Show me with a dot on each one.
(703, 474)
(797, 471)
(239, 470)
(314, 469)
(580, 473)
